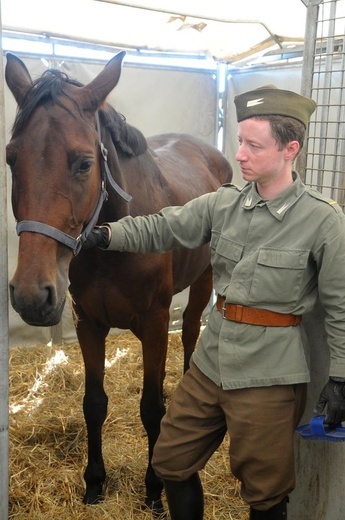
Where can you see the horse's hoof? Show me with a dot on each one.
(156, 507)
(94, 494)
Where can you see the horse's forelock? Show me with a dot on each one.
(48, 87)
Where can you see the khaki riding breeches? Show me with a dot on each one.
(261, 422)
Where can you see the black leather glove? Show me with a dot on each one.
(333, 394)
(99, 236)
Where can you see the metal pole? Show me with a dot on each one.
(4, 357)
(308, 68)
(218, 108)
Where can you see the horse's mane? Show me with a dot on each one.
(124, 136)
(50, 87)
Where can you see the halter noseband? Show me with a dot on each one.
(76, 243)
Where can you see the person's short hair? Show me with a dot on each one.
(285, 129)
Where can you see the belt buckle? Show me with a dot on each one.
(224, 309)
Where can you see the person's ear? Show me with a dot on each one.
(292, 149)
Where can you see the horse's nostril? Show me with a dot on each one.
(50, 295)
(11, 290)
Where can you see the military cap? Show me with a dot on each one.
(270, 100)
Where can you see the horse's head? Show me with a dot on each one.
(54, 156)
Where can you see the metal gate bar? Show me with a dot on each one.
(323, 163)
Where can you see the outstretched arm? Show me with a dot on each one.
(173, 227)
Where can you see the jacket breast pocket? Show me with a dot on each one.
(225, 255)
(278, 276)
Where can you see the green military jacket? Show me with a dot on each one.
(278, 255)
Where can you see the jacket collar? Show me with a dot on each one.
(280, 204)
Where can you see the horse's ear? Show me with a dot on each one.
(92, 96)
(17, 77)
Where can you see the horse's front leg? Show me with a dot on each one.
(199, 296)
(95, 411)
(154, 340)
(92, 343)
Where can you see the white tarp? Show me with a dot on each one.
(221, 29)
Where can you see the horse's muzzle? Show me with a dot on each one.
(38, 307)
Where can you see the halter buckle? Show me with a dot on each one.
(104, 151)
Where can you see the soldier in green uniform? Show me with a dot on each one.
(276, 246)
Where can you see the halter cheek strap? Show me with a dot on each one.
(76, 243)
(105, 172)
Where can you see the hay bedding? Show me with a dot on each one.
(48, 436)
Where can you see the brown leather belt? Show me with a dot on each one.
(251, 316)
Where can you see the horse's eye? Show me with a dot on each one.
(85, 166)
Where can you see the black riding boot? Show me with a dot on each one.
(185, 498)
(277, 512)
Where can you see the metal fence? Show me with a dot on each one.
(323, 79)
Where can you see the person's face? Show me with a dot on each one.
(258, 155)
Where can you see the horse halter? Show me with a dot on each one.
(76, 243)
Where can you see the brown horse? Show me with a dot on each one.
(72, 156)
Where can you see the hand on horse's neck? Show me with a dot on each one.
(270, 190)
